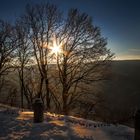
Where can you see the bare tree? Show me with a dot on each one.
(7, 47)
(83, 58)
(43, 21)
(23, 58)
(81, 61)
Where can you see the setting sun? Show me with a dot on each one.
(56, 47)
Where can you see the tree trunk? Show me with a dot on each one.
(65, 108)
(22, 87)
(47, 94)
(40, 88)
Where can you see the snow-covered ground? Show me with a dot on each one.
(16, 125)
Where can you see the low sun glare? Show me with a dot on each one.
(56, 47)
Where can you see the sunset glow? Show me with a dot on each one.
(56, 47)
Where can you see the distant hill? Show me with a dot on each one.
(124, 86)
(122, 91)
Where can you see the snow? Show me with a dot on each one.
(17, 125)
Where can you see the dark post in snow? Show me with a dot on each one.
(137, 125)
(38, 111)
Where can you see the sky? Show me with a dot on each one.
(119, 20)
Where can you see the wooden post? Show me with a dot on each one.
(38, 111)
(137, 125)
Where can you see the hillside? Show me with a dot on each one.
(123, 88)
(17, 125)
(121, 93)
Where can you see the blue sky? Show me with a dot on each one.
(119, 20)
